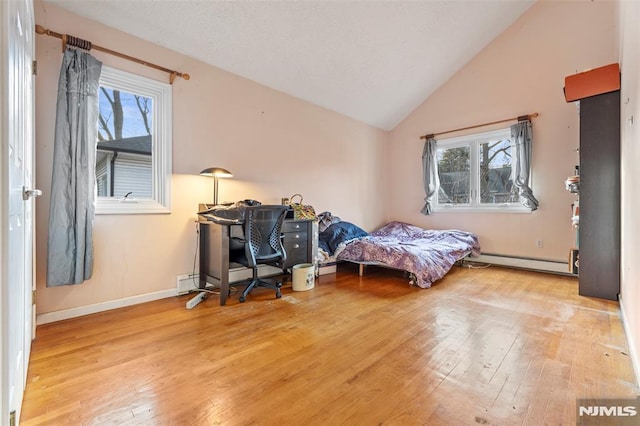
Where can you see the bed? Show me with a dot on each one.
(426, 255)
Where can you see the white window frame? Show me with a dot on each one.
(161, 143)
(474, 141)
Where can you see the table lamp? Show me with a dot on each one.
(216, 172)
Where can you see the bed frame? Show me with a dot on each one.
(364, 263)
(408, 275)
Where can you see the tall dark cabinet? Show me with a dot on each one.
(599, 230)
(598, 91)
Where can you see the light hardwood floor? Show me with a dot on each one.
(482, 346)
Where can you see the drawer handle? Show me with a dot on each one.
(297, 236)
(295, 246)
(297, 226)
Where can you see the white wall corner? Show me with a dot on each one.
(632, 343)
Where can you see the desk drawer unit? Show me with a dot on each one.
(296, 242)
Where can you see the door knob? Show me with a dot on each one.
(28, 193)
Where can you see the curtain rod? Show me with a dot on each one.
(68, 40)
(519, 118)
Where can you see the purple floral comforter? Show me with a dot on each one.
(428, 254)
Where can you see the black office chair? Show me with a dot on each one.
(263, 244)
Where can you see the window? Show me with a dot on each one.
(133, 158)
(475, 173)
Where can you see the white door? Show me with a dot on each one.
(17, 199)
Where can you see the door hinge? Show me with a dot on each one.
(33, 297)
(12, 418)
(35, 67)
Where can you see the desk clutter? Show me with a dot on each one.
(301, 211)
(235, 211)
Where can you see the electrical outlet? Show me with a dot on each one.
(539, 243)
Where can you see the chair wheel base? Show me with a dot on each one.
(259, 283)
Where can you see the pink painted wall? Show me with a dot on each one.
(274, 144)
(277, 145)
(521, 72)
(629, 35)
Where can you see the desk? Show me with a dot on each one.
(216, 251)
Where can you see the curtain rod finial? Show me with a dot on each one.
(175, 74)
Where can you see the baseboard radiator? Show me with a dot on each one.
(551, 266)
(187, 283)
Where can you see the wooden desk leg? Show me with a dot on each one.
(224, 291)
(214, 257)
(223, 259)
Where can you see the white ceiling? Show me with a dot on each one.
(374, 61)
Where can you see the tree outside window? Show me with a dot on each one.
(133, 161)
(475, 172)
(124, 150)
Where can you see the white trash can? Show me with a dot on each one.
(303, 277)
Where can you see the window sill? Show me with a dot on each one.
(484, 209)
(130, 206)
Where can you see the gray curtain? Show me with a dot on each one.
(522, 136)
(71, 212)
(429, 173)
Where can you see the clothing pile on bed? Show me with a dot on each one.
(334, 234)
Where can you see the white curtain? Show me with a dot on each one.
(71, 212)
(429, 174)
(522, 137)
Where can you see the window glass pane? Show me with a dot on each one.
(475, 173)
(124, 163)
(453, 172)
(496, 184)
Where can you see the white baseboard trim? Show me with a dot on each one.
(235, 275)
(632, 343)
(101, 307)
(556, 267)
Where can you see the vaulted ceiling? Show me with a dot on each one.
(374, 61)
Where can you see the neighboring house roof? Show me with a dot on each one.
(134, 145)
